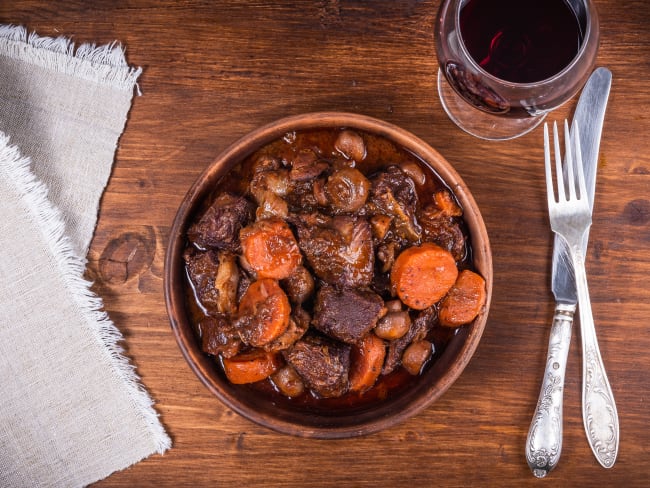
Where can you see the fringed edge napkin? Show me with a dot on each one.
(16, 169)
(101, 64)
(65, 433)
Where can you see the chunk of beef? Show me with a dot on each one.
(299, 285)
(443, 230)
(393, 194)
(339, 249)
(219, 226)
(301, 198)
(347, 315)
(201, 269)
(245, 281)
(386, 254)
(417, 332)
(322, 363)
(274, 181)
(380, 225)
(265, 162)
(306, 165)
(215, 279)
(219, 336)
(298, 325)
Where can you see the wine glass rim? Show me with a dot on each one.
(589, 8)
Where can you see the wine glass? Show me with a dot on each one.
(504, 64)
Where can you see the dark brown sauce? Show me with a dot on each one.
(380, 154)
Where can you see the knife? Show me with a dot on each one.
(544, 440)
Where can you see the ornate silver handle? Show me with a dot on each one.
(544, 441)
(599, 412)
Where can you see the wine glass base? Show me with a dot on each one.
(481, 124)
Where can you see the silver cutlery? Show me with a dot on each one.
(544, 440)
(570, 217)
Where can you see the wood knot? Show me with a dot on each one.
(637, 212)
(411, 436)
(126, 257)
(240, 441)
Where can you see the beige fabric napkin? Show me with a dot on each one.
(72, 409)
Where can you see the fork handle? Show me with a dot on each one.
(544, 441)
(599, 413)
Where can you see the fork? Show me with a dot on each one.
(570, 218)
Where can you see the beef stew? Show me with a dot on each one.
(311, 227)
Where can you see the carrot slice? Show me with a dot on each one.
(445, 202)
(251, 366)
(422, 275)
(264, 313)
(366, 361)
(464, 301)
(270, 248)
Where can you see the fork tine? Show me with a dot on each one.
(547, 165)
(561, 187)
(582, 185)
(569, 158)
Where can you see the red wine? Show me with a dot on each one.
(520, 41)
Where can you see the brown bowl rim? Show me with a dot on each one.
(420, 396)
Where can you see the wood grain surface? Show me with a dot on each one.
(214, 71)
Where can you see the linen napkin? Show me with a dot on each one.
(72, 409)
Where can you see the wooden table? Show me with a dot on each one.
(214, 71)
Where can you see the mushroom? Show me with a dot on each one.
(347, 190)
(288, 382)
(393, 325)
(416, 355)
(350, 144)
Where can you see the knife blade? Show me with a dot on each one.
(589, 115)
(544, 440)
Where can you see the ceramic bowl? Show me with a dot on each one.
(283, 416)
